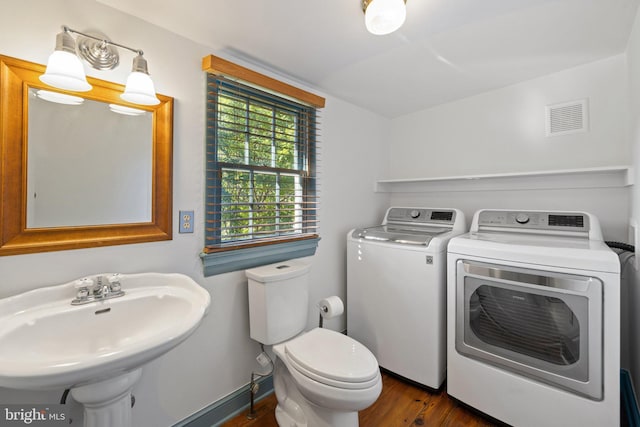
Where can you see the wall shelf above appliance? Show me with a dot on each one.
(599, 177)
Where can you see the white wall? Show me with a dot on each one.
(219, 357)
(503, 131)
(632, 285)
(633, 62)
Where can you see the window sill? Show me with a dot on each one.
(249, 257)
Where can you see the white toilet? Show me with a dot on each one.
(322, 378)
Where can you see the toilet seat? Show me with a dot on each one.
(332, 358)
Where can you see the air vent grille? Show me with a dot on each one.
(569, 117)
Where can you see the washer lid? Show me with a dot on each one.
(401, 233)
(332, 355)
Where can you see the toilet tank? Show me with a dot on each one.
(278, 301)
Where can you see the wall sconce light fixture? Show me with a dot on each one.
(65, 70)
(384, 16)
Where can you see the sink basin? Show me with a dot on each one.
(47, 343)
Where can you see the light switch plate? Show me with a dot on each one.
(186, 222)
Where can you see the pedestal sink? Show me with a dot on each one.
(96, 349)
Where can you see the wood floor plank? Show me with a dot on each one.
(265, 415)
(400, 405)
(435, 411)
(463, 416)
(396, 406)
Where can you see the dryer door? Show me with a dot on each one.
(546, 326)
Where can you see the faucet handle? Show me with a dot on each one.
(82, 286)
(83, 283)
(114, 282)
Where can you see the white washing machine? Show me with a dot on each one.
(533, 319)
(396, 290)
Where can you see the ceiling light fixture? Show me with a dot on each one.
(65, 70)
(384, 16)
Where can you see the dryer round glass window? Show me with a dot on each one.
(532, 323)
(538, 326)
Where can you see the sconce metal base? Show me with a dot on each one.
(98, 51)
(365, 4)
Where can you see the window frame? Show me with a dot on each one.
(220, 257)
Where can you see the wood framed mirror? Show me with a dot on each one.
(85, 177)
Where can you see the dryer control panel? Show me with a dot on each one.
(534, 220)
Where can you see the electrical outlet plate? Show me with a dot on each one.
(186, 222)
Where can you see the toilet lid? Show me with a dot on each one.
(328, 354)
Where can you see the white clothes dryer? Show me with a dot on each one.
(396, 290)
(533, 306)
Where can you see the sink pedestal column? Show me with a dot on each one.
(107, 403)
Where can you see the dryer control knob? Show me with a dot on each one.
(522, 218)
(414, 213)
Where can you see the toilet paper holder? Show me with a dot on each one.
(330, 307)
(321, 318)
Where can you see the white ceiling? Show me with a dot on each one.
(447, 49)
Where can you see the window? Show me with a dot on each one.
(261, 196)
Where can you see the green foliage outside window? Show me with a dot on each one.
(261, 169)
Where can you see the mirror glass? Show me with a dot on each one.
(74, 173)
(88, 164)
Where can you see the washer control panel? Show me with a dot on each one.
(565, 221)
(421, 216)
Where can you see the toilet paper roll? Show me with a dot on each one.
(331, 307)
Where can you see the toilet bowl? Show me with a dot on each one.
(322, 378)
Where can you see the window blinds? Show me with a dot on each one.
(261, 166)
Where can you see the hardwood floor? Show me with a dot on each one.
(400, 404)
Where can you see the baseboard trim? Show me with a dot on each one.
(227, 407)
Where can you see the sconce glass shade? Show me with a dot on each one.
(384, 16)
(140, 88)
(64, 69)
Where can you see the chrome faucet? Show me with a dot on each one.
(97, 289)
